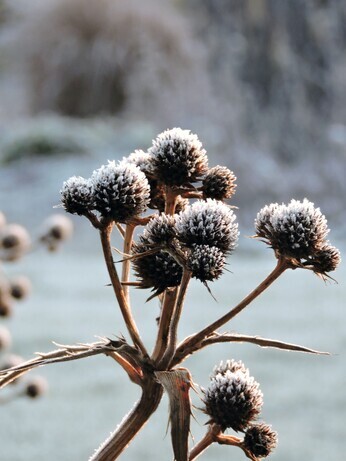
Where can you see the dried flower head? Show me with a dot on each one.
(206, 263)
(160, 229)
(20, 287)
(209, 222)
(178, 157)
(219, 183)
(296, 230)
(230, 365)
(233, 398)
(36, 387)
(56, 229)
(77, 195)
(326, 259)
(157, 271)
(260, 440)
(14, 240)
(120, 192)
(141, 159)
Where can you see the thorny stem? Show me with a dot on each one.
(190, 343)
(124, 434)
(173, 327)
(105, 233)
(130, 228)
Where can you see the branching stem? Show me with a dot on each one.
(105, 233)
(125, 276)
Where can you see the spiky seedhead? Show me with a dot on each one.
(157, 271)
(260, 440)
(121, 192)
(178, 157)
(296, 230)
(230, 365)
(233, 398)
(77, 195)
(206, 263)
(327, 259)
(209, 222)
(160, 229)
(219, 183)
(141, 159)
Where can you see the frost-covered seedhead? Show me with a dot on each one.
(296, 230)
(157, 271)
(233, 399)
(232, 366)
(209, 222)
(206, 263)
(161, 229)
(327, 259)
(219, 183)
(77, 195)
(260, 440)
(178, 157)
(141, 159)
(120, 191)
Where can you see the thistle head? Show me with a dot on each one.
(296, 230)
(209, 222)
(160, 229)
(233, 398)
(206, 263)
(77, 195)
(219, 183)
(326, 259)
(178, 157)
(158, 270)
(260, 440)
(121, 192)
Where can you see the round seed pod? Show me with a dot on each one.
(178, 157)
(56, 229)
(233, 399)
(77, 195)
(296, 230)
(20, 287)
(219, 183)
(209, 222)
(260, 440)
(14, 241)
(157, 271)
(160, 229)
(36, 387)
(327, 259)
(121, 192)
(206, 263)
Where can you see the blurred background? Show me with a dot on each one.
(263, 85)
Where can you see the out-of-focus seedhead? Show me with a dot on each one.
(219, 183)
(56, 229)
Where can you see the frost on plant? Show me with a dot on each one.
(187, 228)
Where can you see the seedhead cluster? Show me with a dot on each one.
(189, 231)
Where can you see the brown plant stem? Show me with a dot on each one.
(192, 343)
(168, 303)
(205, 442)
(105, 233)
(173, 326)
(124, 434)
(125, 276)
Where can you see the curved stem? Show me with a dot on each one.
(205, 442)
(193, 341)
(105, 233)
(124, 434)
(130, 228)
